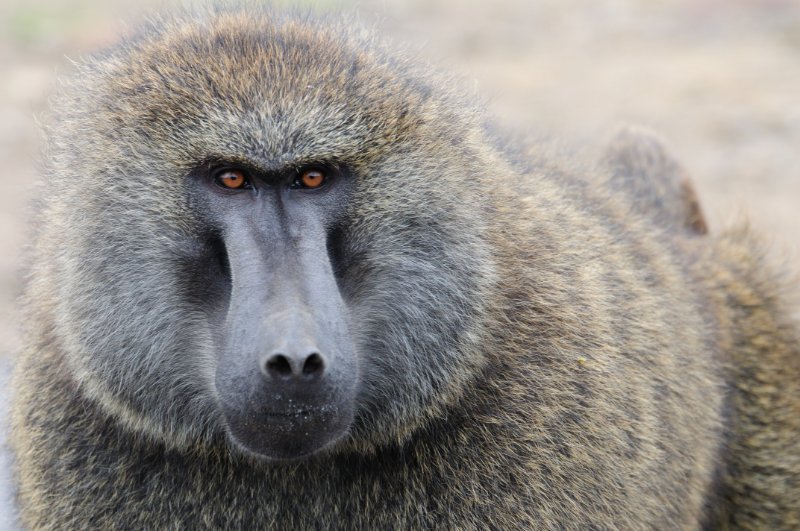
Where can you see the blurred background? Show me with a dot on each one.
(718, 79)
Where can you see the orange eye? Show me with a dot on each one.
(312, 179)
(232, 179)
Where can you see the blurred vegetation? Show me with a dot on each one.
(27, 25)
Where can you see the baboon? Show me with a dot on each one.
(285, 279)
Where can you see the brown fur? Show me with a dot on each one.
(592, 360)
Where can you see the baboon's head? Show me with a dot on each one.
(268, 232)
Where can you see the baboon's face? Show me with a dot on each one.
(285, 366)
(273, 236)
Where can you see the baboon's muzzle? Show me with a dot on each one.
(287, 372)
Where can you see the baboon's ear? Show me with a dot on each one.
(659, 187)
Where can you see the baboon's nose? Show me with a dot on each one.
(288, 366)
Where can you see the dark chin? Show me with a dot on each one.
(288, 437)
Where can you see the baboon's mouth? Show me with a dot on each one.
(292, 414)
(294, 432)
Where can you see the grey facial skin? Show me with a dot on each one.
(287, 371)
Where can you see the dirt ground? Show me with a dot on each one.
(719, 79)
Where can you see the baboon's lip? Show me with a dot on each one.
(304, 413)
(292, 414)
(290, 434)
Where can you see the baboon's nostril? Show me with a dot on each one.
(314, 366)
(278, 366)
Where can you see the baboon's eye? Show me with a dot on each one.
(310, 179)
(233, 179)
